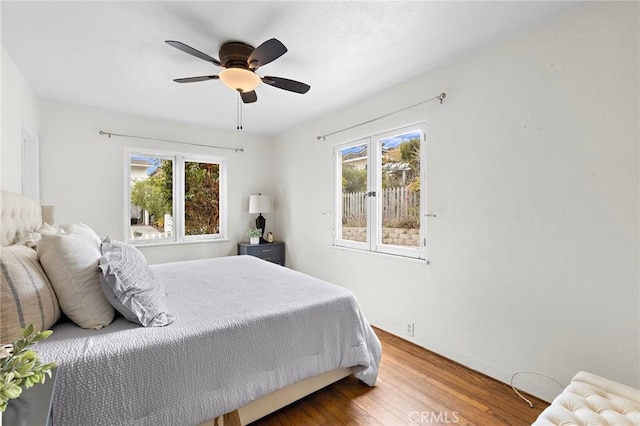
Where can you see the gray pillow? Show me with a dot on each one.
(131, 286)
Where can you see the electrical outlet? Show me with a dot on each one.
(409, 329)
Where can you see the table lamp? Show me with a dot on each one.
(49, 215)
(259, 203)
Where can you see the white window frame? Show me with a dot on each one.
(374, 204)
(178, 212)
(222, 162)
(337, 188)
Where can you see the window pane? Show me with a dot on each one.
(354, 187)
(400, 200)
(151, 180)
(201, 198)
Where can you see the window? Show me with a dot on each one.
(379, 193)
(174, 198)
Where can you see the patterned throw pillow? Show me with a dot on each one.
(131, 286)
(26, 295)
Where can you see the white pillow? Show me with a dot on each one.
(71, 263)
(83, 231)
(31, 238)
(131, 286)
(45, 228)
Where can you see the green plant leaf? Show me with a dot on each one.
(42, 335)
(27, 331)
(12, 391)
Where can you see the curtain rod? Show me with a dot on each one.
(109, 134)
(440, 97)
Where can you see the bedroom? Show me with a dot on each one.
(532, 173)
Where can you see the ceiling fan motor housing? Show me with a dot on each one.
(235, 54)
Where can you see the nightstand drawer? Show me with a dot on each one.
(272, 252)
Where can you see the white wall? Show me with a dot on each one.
(533, 174)
(19, 106)
(82, 172)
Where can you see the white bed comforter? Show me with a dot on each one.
(243, 328)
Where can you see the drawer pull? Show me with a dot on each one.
(266, 258)
(266, 250)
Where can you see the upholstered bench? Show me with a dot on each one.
(593, 400)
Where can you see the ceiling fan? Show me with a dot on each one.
(240, 62)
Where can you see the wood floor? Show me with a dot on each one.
(414, 387)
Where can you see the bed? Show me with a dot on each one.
(247, 338)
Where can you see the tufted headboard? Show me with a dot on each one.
(18, 214)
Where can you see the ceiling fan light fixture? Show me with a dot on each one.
(240, 79)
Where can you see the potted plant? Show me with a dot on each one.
(21, 366)
(254, 235)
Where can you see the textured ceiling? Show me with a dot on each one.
(112, 54)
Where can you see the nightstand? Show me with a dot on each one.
(33, 408)
(272, 252)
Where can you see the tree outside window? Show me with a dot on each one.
(154, 182)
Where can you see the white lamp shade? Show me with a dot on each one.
(239, 79)
(259, 203)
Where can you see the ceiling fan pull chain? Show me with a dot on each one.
(238, 112)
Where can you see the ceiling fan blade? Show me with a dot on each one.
(195, 79)
(249, 97)
(191, 51)
(286, 84)
(268, 51)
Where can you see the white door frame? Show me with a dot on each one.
(30, 164)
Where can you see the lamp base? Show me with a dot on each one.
(261, 223)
